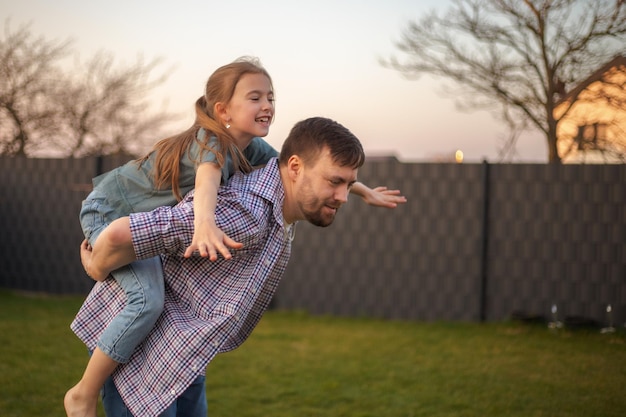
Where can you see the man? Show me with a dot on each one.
(212, 307)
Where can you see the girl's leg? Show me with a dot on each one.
(142, 282)
(82, 399)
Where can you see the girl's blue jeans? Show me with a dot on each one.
(142, 282)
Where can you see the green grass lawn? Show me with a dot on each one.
(299, 365)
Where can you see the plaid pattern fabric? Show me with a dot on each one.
(210, 307)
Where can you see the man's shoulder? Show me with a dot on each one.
(264, 181)
(262, 188)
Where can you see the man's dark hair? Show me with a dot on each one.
(309, 137)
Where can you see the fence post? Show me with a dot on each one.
(99, 165)
(484, 244)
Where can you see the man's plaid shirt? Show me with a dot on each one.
(210, 307)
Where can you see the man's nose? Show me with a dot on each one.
(342, 194)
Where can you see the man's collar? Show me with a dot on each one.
(269, 185)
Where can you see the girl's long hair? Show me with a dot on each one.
(219, 89)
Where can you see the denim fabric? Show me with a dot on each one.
(95, 215)
(192, 402)
(142, 282)
(143, 285)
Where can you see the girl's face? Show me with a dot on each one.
(251, 109)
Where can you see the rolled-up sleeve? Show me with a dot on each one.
(165, 230)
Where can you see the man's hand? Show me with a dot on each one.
(382, 197)
(86, 253)
(112, 250)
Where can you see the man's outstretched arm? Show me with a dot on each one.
(113, 249)
(379, 196)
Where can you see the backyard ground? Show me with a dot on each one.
(299, 365)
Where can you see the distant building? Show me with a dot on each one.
(379, 156)
(592, 128)
(447, 157)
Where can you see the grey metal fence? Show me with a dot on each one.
(474, 242)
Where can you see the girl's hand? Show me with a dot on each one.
(208, 240)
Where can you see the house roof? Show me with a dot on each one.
(619, 60)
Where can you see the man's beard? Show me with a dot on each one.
(316, 218)
(313, 208)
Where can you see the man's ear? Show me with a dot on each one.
(294, 167)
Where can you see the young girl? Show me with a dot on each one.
(235, 112)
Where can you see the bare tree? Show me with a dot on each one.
(108, 109)
(96, 107)
(515, 57)
(29, 78)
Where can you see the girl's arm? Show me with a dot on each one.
(379, 196)
(208, 239)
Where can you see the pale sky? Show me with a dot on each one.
(322, 56)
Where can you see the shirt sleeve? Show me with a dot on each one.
(169, 230)
(203, 155)
(259, 152)
(165, 230)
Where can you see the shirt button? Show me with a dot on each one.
(173, 391)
